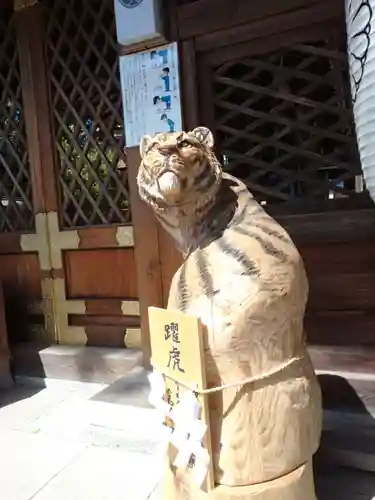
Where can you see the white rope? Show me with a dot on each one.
(250, 380)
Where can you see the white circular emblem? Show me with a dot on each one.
(130, 4)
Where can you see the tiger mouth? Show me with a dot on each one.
(171, 183)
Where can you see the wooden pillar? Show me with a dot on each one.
(29, 21)
(147, 253)
(36, 101)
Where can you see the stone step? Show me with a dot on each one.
(347, 361)
(346, 375)
(80, 363)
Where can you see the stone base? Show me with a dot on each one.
(79, 363)
(297, 485)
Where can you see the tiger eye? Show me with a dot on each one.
(184, 144)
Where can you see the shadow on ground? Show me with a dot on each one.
(19, 392)
(132, 390)
(91, 366)
(339, 483)
(347, 423)
(339, 395)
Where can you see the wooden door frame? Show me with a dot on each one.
(47, 242)
(35, 90)
(66, 318)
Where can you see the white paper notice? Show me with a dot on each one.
(187, 438)
(151, 92)
(157, 392)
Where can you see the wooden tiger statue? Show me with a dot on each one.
(244, 278)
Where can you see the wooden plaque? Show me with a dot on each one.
(177, 351)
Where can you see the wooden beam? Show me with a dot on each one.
(189, 84)
(147, 255)
(269, 43)
(271, 26)
(205, 16)
(36, 101)
(330, 227)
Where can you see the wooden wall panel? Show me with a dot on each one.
(341, 306)
(260, 46)
(105, 331)
(309, 15)
(99, 320)
(20, 275)
(342, 291)
(206, 16)
(106, 273)
(97, 237)
(103, 307)
(338, 258)
(341, 276)
(105, 335)
(346, 226)
(332, 328)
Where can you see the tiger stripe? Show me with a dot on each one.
(267, 246)
(249, 266)
(272, 232)
(204, 186)
(183, 290)
(205, 277)
(202, 176)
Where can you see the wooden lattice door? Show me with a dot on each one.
(284, 125)
(281, 111)
(66, 235)
(66, 240)
(94, 284)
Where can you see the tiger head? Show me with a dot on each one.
(179, 171)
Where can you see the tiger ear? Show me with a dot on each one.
(204, 136)
(144, 145)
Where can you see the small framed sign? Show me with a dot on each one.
(151, 97)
